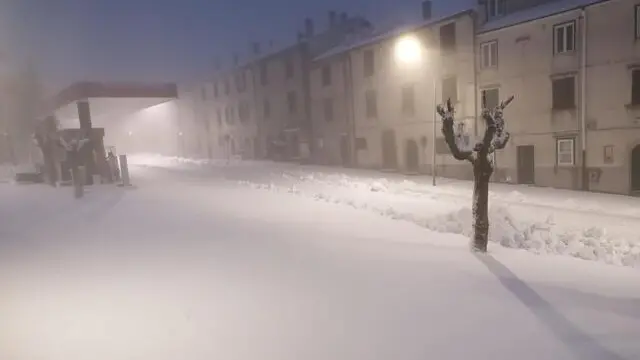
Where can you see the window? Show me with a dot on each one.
(369, 63)
(496, 8)
(608, 154)
(291, 102)
(489, 54)
(450, 89)
(227, 87)
(326, 75)
(635, 87)
(240, 81)
(219, 116)
(564, 37)
(408, 100)
(264, 74)
(266, 108)
(232, 114)
(563, 93)
(490, 98)
(288, 68)
(637, 21)
(243, 112)
(565, 152)
(448, 37)
(203, 94)
(371, 102)
(215, 89)
(328, 110)
(361, 144)
(228, 114)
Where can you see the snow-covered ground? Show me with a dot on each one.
(7, 173)
(196, 265)
(588, 226)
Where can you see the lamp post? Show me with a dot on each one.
(409, 51)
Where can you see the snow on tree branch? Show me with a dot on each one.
(449, 134)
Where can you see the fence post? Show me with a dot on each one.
(124, 170)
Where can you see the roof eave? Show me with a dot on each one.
(396, 32)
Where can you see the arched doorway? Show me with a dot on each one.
(635, 169)
(411, 156)
(389, 150)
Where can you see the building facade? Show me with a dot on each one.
(573, 66)
(573, 123)
(261, 107)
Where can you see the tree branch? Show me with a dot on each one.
(449, 135)
(489, 133)
(501, 140)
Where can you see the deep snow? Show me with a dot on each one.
(190, 265)
(588, 226)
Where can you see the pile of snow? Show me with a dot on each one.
(539, 237)
(163, 161)
(156, 160)
(585, 202)
(588, 226)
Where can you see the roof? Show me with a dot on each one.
(381, 36)
(536, 12)
(92, 89)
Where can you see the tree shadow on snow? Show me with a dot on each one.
(582, 344)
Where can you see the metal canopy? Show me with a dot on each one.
(108, 100)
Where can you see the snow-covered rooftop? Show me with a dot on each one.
(536, 12)
(384, 35)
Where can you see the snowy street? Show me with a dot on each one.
(274, 261)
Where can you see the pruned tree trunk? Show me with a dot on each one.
(480, 157)
(482, 170)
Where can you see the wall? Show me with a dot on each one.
(526, 67)
(329, 134)
(613, 52)
(388, 80)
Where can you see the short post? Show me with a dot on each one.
(124, 170)
(78, 176)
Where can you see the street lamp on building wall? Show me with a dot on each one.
(409, 51)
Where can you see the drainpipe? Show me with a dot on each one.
(351, 106)
(475, 76)
(583, 102)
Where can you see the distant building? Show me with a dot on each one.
(262, 105)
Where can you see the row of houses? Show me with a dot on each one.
(342, 97)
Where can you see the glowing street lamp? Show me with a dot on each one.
(409, 51)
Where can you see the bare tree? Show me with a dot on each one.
(481, 158)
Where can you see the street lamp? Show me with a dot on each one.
(409, 51)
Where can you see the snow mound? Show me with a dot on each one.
(542, 238)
